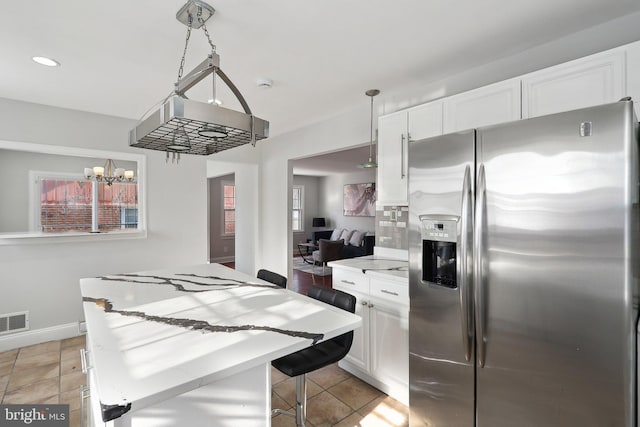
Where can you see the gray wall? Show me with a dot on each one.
(221, 248)
(43, 278)
(14, 173)
(331, 199)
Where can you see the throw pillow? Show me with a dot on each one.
(357, 238)
(336, 234)
(346, 235)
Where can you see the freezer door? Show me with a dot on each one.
(441, 368)
(555, 319)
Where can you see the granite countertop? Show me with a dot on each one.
(376, 266)
(158, 334)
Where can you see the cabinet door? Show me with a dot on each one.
(425, 121)
(633, 74)
(359, 353)
(597, 79)
(488, 105)
(392, 155)
(389, 332)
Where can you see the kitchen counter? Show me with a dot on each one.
(376, 266)
(159, 336)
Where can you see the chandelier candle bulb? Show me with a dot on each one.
(119, 173)
(88, 173)
(128, 175)
(98, 171)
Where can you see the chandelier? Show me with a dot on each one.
(109, 173)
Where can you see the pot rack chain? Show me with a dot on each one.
(186, 41)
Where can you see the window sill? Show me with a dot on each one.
(38, 237)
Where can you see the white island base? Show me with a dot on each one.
(243, 399)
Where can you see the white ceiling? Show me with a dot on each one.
(120, 57)
(345, 161)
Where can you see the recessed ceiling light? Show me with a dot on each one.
(43, 60)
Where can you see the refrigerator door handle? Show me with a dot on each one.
(402, 174)
(479, 268)
(464, 256)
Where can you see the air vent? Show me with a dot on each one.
(14, 322)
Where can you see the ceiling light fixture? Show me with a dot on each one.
(181, 125)
(370, 163)
(108, 173)
(43, 60)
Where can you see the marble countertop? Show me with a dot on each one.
(158, 334)
(376, 266)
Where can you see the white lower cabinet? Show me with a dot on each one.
(380, 351)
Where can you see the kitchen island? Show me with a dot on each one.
(193, 345)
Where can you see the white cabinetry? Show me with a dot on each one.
(380, 351)
(596, 79)
(394, 132)
(488, 105)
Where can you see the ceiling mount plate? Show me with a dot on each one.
(189, 13)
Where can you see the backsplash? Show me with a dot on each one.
(392, 227)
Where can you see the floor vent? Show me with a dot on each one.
(14, 322)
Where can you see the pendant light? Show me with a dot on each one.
(370, 163)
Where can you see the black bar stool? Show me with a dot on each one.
(272, 277)
(324, 353)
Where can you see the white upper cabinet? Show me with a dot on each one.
(488, 105)
(425, 121)
(394, 132)
(596, 79)
(633, 74)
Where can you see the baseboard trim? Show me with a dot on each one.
(222, 259)
(37, 336)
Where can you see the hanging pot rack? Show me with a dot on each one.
(183, 126)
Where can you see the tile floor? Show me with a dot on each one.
(336, 398)
(51, 373)
(44, 373)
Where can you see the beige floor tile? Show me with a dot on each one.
(385, 409)
(39, 349)
(70, 364)
(34, 393)
(355, 392)
(277, 376)
(23, 377)
(279, 403)
(329, 376)
(352, 420)
(74, 419)
(75, 342)
(6, 368)
(71, 398)
(72, 382)
(35, 360)
(324, 409)
(287, 390)
(283, 421)
(9, 356)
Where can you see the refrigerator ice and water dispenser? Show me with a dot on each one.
(439, 237)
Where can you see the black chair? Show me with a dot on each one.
(324, 353)
(272, 277)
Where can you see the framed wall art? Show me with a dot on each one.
(359, 199)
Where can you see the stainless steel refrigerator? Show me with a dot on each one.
(523, 273)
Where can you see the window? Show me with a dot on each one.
(228, 208)
(67, 202)
(297, 215)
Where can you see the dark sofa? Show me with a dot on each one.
(348, 251)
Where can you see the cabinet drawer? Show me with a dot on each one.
(390, 291)
(347, 280)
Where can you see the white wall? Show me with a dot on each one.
(43, 278)
(331, 196)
